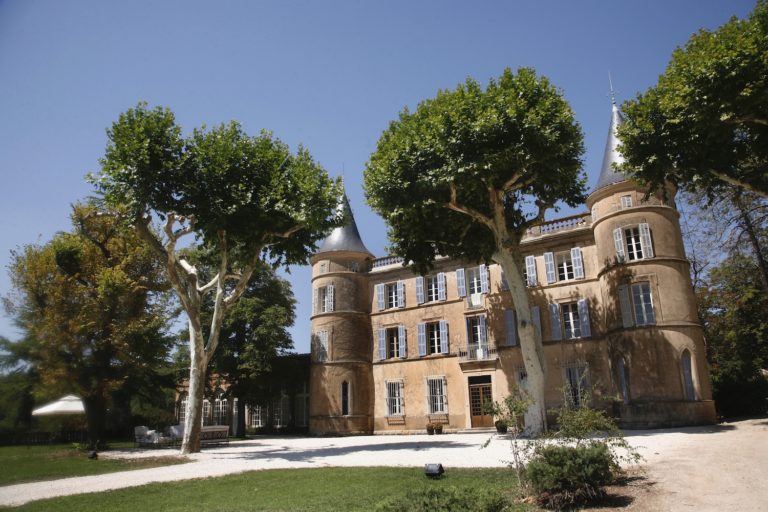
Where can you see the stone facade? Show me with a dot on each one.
(393, 350)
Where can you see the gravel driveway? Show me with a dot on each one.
(718, 468)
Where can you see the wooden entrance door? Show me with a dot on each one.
(479, 395)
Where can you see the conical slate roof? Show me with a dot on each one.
(344, 238)
(608, 175)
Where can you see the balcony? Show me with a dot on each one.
(478, 352)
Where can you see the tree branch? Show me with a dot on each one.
(454, 205)
(738, 183)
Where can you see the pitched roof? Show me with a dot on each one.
(345, 238)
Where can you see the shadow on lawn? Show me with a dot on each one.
(299, 454)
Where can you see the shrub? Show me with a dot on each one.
(566, 476)
(446, 499)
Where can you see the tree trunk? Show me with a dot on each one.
(95, 417)
(749, 228)
(530, 344)
(240, 425)
(197, 371)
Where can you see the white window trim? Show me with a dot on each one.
(443, 397)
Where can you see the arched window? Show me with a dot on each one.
(183, 402)
(220, 409)
(623, 380)
(345, 398)
(686, 367)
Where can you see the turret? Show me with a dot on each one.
(341, 380)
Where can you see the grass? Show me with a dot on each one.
(317, 490)
(46, 462)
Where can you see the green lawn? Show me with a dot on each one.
(317, 490)
(47, 462)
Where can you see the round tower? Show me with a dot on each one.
(655, 341)
(341, 377)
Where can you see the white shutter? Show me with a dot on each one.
(441, 286)
(549, 265)
(645, 240)
(402, 346)
(509, 320)
(626, 306)
(443, 337)
(461, 284)
(401, 294)
(422, 339)
(594, 213)
(530, 270)
(483, 334)
(380, 297)
(554, 321)
(329, 298)
(618, 242)
(578, 263)
(536, 319)
(420, 290)
(382, 343)
(586, 329)
(315, 300)
(483, 279)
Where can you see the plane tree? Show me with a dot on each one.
(246, 199)
(469, 172)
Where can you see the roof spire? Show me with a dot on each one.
(610, 84)
(344, 238)
(609, 175)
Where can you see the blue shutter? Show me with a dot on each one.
(443, 336)
(461, 284)
(441, 286)
(618, 243)
(586, 330)
(536, 318)
(422, 339)
(549, 266)
(554, 321)
(483, 279)
(578, 263)
(483, 334)
(402, 347)
(645, 240)
(509, 320)
(530, 271)
(382, 343)
(401, 294)
(380, 297)
(626, 306)
(420, 290)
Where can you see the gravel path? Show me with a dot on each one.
(722, 467)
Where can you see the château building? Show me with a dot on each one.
(611, 297)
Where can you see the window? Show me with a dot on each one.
(576, 385)
(257, 416)
(430, 288)
(437, 395)
(220, 409)
(564, 266)
(530, 271)
(570, 320)
(391, 295)
(183, 403)
(345, 398)
(281, 411)
(474, 281)
(633, 242)
(626, 201)
(206, 412)
(392, 342)
(637, 310)
(323, 268)
(687, 371)
(395, 402)
(433, 338)
(302, 406)
(323, 300)
(320, 346)
(511, 326)
(476, 329)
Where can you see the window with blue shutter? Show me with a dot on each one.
(483, 279)
(578, 263)
(401, 294)
(511, 325)
(441, 286)
(626, 306)
(420, 290)
(530, 271)
(549, 266)
(382, 343)
(402, 347)
(443, 337)
(380, 298)
(461, 284)
(536, 318)
(586, 330)
(554, 321)
(422, 339)
(483, 333)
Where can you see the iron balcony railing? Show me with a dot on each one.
(478, 352)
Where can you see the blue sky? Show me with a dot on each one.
(327, 74)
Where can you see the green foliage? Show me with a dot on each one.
(449, 499)
(567, 476)
(705, 123)
(516, 139)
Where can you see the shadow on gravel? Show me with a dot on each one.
(705, 429)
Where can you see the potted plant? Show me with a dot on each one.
(438, 428)
(501, 426)
(431, 428)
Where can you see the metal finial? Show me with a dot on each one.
(610, 83)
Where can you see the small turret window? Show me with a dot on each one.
(324, 299)
(345, 398)
(636, 309)
(626, 201)
(633, 242)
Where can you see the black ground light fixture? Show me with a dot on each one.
(433, 470)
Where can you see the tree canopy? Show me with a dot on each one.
(467, 174)
(705, 123)
(245, 199)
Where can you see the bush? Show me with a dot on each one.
(566, 476)
(446, 499)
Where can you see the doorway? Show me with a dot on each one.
(480, 394)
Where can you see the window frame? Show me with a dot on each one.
(395, 398)
(437, 403)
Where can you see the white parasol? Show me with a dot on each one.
(69, 404)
